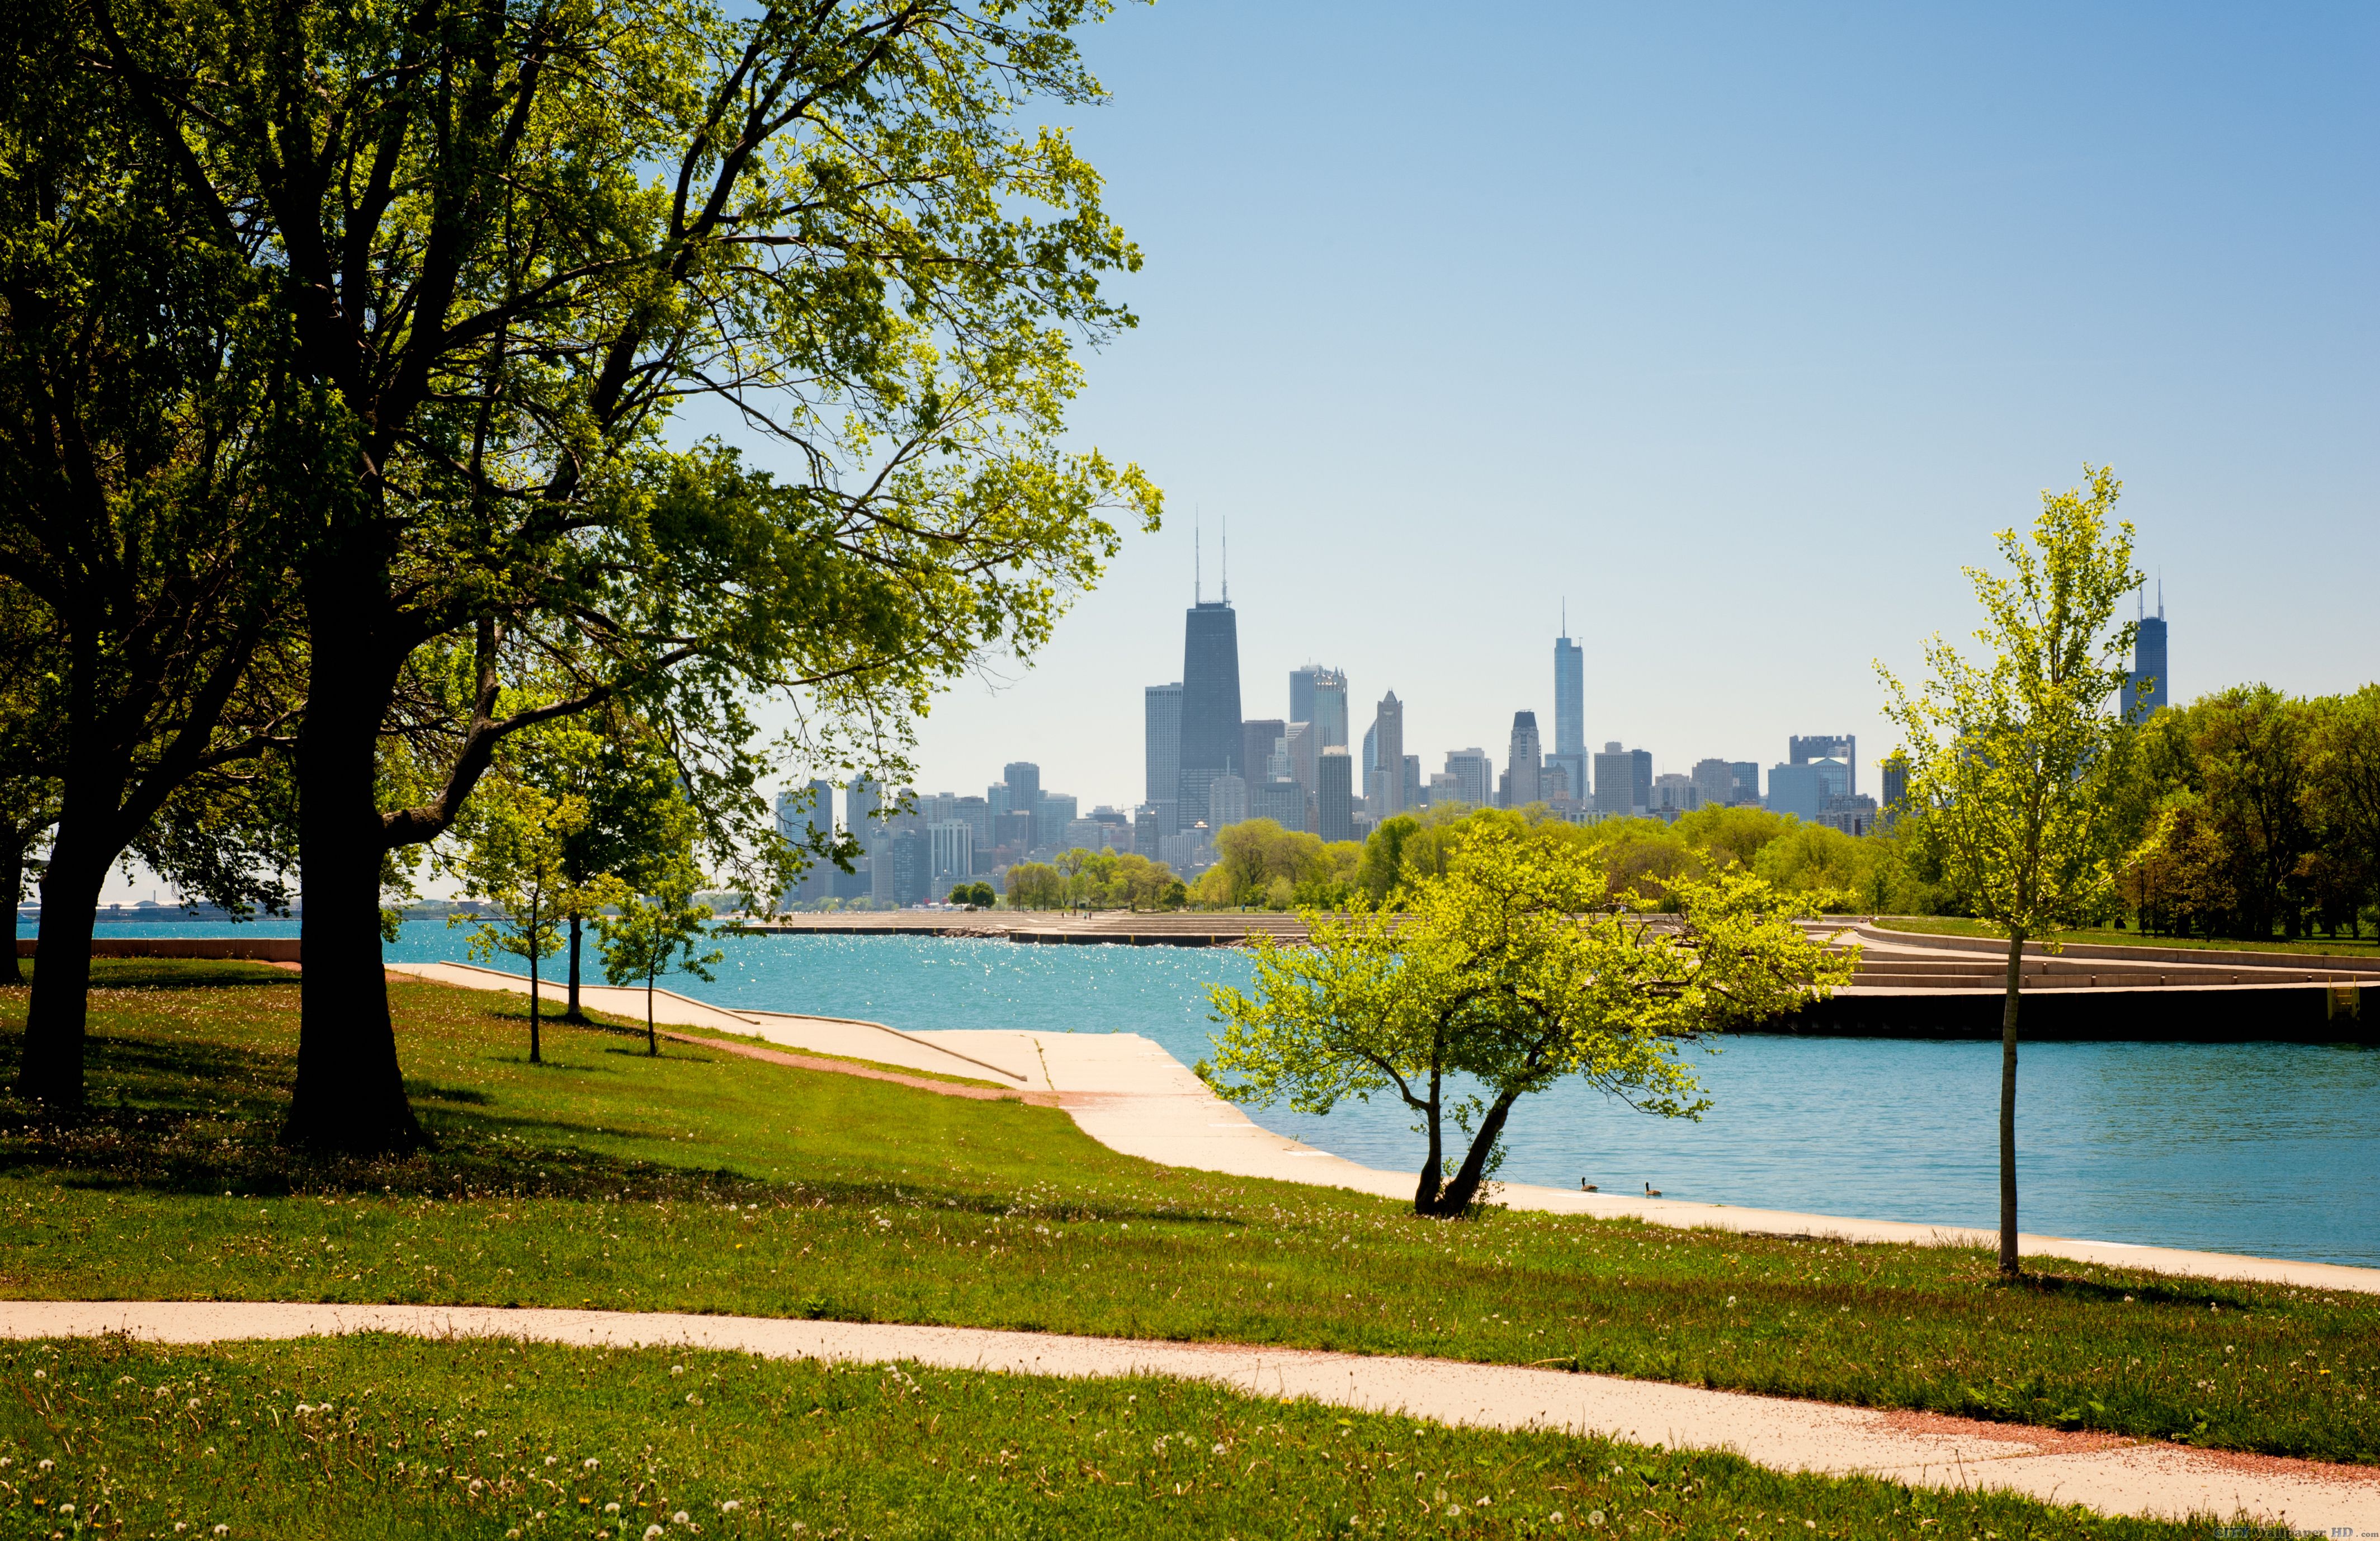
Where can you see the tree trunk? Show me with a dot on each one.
(2008, 1266)
(574, 1015)
(1433, 1175)
(1456, 1196)
(652, 1039)
(12, 883)
(350, 1095)
(52, 1070)
(533, 919)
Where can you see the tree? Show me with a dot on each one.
(649, 935)
(154, 461)
(1495, 972)
(514, 839)
(1034, 885)
(638, 825)
(1733, 835)
(1257, 862)
(2017, 768)
(1826, 866)
(507, 246)
(2344, 781)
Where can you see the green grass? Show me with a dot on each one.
(1954, 926)
(394, 1438)
(704, 1181)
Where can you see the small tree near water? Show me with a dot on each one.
(514, 854)
(2017, 766)
(649, 936)
(1495, 972)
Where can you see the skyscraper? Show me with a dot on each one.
(1570, 709)
(1388, 755)
(1319, 696)
(1368, 764)
(1623, 781)
(1526, 752)
(1258, 737)
(1474, 774)
(2144, 688)
(1210, 702)
(1807, 748)
(1023, 779)
(1162, 707)
(1336, 800)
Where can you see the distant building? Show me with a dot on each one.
(2145, 687)
(807, 818)
(1797, 790)
(1147, 832)
(1211, 744)
(1672, 794)
(1803, 749)
(1714, 783)
(1570, 712)
(1023, 778)
(1623, 781)
(1369, 765)
(1050, 815)
(1413, 783)
(1299, 742)
(1388, 757)
(1747, 782)
(1281, 800)
(952, 849)
(1083, 834)
(1522, 761)
(1335, 794)
(912, 864)
(1162, 713)
(977, 811)
(1227, 801)
(1896, 784)
(1258, 737)
(1319, 696)
(1475, 776)
(1854, 815)
(1553, 781)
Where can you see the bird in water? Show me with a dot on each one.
(1586, 1187)
(1652, 1192)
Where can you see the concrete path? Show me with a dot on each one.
(2107, 1473)
(1127, 1093)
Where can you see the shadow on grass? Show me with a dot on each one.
(2202, 1294)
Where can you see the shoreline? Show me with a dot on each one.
(1131, 1094)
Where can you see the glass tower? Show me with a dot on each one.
(1210, 741)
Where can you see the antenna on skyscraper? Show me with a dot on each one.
(2160, 596)
(1198, 569)
(1565, 615)
(1226, 560)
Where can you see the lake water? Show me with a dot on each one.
(2270, 1149)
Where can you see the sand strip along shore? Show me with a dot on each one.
(1127, 1093)
(2107, 1473)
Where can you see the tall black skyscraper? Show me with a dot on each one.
(1211, 743)
(2144, 689)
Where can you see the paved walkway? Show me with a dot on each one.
(2107, 1473)
(1130, 1095)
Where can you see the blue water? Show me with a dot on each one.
(2269, 1149)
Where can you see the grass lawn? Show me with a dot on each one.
(1953, 926)
(702, 1182)
(393, 1436)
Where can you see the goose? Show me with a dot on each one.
(1586, 1187)
(1652, 1192)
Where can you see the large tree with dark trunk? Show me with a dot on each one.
(1495, 983)
(509, 241)
(152, 468)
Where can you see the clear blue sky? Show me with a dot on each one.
(1740, 328)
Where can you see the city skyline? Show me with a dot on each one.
(1801, 354)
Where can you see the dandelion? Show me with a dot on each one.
(677, 1369)
(1594, 1517)
(1218, 1449)
(48, 1464)
(611, 1509)
(192, 1403)
(731, 1506)
(41, 1374)
(478, 1434)
(1555, 1516)
(552, 1459)
(223, 1530)
(65, 1509)
(680, 1518)
(590, 1464)
(181, 1525)
(651, 1531)
(477, 1485)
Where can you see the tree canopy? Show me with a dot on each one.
(1498, 974)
